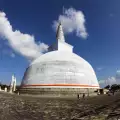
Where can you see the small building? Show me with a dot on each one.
(102, 91)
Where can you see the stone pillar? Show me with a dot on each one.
(10, 89)
(5, 89)
(14, 84)
(18, 93)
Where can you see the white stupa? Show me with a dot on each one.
(59, 70)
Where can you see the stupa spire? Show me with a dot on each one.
(60, 34)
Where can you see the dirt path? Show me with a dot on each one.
(13, 107)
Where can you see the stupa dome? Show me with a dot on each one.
(59, 68)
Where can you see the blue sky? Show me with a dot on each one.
(102, 22)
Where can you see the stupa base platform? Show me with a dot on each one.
(59, 91)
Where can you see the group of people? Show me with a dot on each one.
(83, 96)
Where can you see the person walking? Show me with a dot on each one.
(78, 96)
(83, 95)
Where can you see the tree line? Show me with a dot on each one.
(7, 86)
(114, 87)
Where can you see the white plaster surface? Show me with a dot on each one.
(59, 67)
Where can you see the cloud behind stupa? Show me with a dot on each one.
(22, 43)
(72, 21)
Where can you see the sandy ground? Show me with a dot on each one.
(14, 107)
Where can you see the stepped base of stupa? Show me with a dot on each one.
(59, 91)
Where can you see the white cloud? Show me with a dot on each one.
(118, 72)
(109, 81)
(118, 76)
(99, 68)
(6, 51)
(12, 55)
(101, 81)
(20, 42)
(72, 21)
